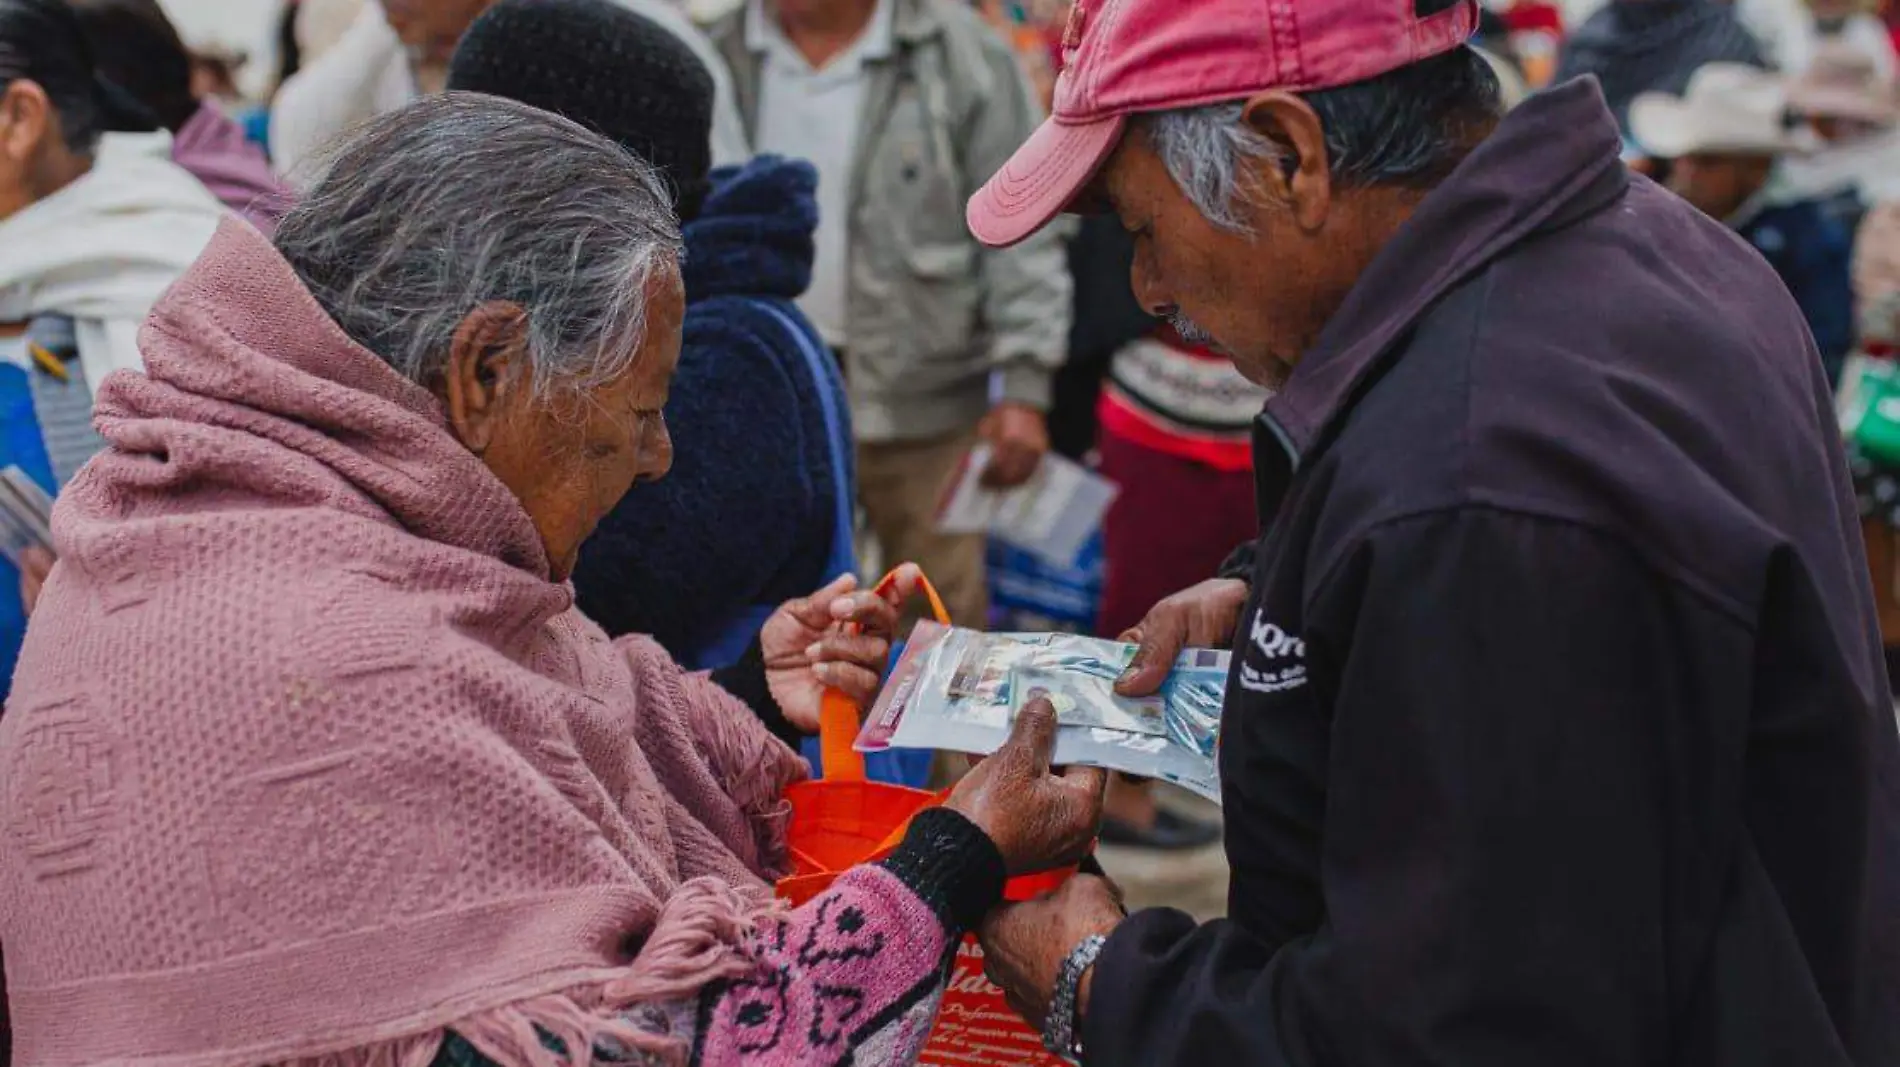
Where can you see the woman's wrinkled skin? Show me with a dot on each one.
(568, 456)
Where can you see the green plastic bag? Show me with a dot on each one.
(1869, 408)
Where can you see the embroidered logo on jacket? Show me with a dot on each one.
(1276, 660)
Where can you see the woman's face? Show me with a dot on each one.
(569, 457)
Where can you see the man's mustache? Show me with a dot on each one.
(1191, 332)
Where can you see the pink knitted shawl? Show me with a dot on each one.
(307, 757)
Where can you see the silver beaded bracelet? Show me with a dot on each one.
(1060, 1033)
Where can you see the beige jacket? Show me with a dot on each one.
(935, 320)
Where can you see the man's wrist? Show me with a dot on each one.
(1062, 1030)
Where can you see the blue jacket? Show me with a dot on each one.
(1812, 248)
(748, 515)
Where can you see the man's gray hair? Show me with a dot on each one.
(1408, 128)
(460, 199)
(1210, 152)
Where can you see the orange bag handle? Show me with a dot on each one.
(840, 718)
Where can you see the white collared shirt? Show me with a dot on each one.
(813, 114)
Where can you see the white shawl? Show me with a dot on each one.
(102, 249)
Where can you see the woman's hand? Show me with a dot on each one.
(808, 650)
(1038, 819)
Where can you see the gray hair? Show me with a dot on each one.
(1208, 151)
(460, 199)
(1408, 128)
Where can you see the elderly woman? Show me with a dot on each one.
(310, 757)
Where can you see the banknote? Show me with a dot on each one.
(959, 690)
(1080, 700)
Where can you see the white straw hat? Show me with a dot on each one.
(1728, 108)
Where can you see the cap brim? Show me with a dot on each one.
(1041, 179)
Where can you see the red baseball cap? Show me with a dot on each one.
(1125, 57)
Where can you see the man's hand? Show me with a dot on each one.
(35, 565)
(1024, 944)
(807, 647)
(1039, 819)
(1201, 617)
(1019, 437)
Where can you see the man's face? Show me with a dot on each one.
(803, 9)
(1260, 297)
(1719, 184)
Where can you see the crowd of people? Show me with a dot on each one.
(465, 454)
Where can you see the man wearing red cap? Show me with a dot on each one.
(1558, 730)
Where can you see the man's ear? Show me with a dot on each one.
(487, 360)
(1303, 179)
(25, 113)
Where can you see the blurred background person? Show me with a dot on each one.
(1636, 46)
(1497, 44)
(1784, 28)
(1536, 30)
(1877, 482)
(95, 222)
(1723, 138)
(1855, 114)
(138, 50)
(1176, 423)
(317, 26)
(398, 50)
(1856, 24)
(905, 107)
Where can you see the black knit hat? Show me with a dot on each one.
(594, 62)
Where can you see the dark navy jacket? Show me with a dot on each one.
(1810, 244)
(1558, 732)
(747, 515)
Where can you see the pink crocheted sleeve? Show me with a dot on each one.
(854, 975)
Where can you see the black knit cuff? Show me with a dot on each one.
(746, 680)
(952, 865)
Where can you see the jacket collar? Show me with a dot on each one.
(914, 21)
(905, 22)
(1551, 162)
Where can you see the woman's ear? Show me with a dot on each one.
(487, 360)
(1302, 178)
